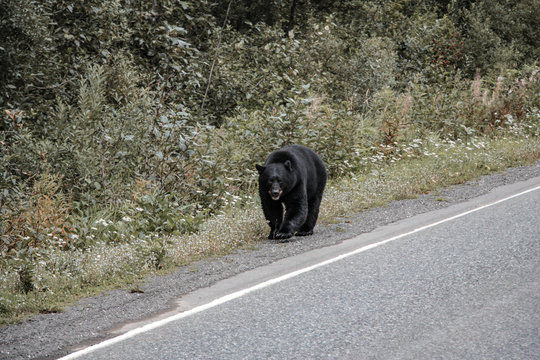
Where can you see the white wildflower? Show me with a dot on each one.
(101, 222)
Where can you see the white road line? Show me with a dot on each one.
(276, 280)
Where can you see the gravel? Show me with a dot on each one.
(48, 336)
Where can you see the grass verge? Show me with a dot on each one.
(62, 277)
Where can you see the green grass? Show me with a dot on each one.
(62, 277)
(444, 165)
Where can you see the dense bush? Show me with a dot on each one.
(132, 119)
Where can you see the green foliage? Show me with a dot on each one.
(499, 34)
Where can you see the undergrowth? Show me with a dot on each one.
(61, 276)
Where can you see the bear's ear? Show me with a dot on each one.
(288, 165)
(260, 168)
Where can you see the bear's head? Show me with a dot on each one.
(276, 179)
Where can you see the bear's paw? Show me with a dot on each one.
(282, 236)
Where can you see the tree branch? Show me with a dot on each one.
(217, 54)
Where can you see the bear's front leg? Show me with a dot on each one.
(313, 213)
(295, 216)
(273, 212)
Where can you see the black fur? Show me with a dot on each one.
(294, 176)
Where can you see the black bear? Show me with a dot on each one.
(294, 176)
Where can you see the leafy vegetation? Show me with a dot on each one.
(125, 123)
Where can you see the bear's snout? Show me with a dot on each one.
(275, 191)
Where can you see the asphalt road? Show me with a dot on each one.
(457, 283)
